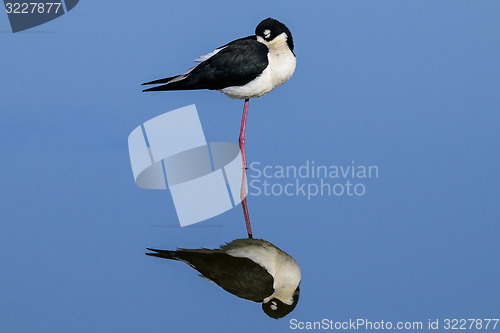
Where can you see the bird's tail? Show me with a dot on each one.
(163, 254)
(184, 81)
(191, 83)
(160, 81)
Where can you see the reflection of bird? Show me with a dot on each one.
(252, 269)
(244, 68)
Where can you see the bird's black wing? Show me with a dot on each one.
(239, 276)
(236, 64)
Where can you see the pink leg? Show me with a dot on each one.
(243, 181)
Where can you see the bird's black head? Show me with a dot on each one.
(271, 28)
(276, 309)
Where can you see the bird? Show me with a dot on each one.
(250, 268)
(245, 68)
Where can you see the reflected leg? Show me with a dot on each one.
(244, 177)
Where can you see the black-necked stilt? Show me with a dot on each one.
(245, 68)
(252, 269)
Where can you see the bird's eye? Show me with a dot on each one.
(274, 306)
(267, 33)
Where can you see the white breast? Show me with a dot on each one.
(280, 69)
(283, 268)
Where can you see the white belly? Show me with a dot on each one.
(279, 70)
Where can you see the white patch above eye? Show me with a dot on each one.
(267, 33)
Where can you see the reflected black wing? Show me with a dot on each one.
(236, 64)
(239, 276)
